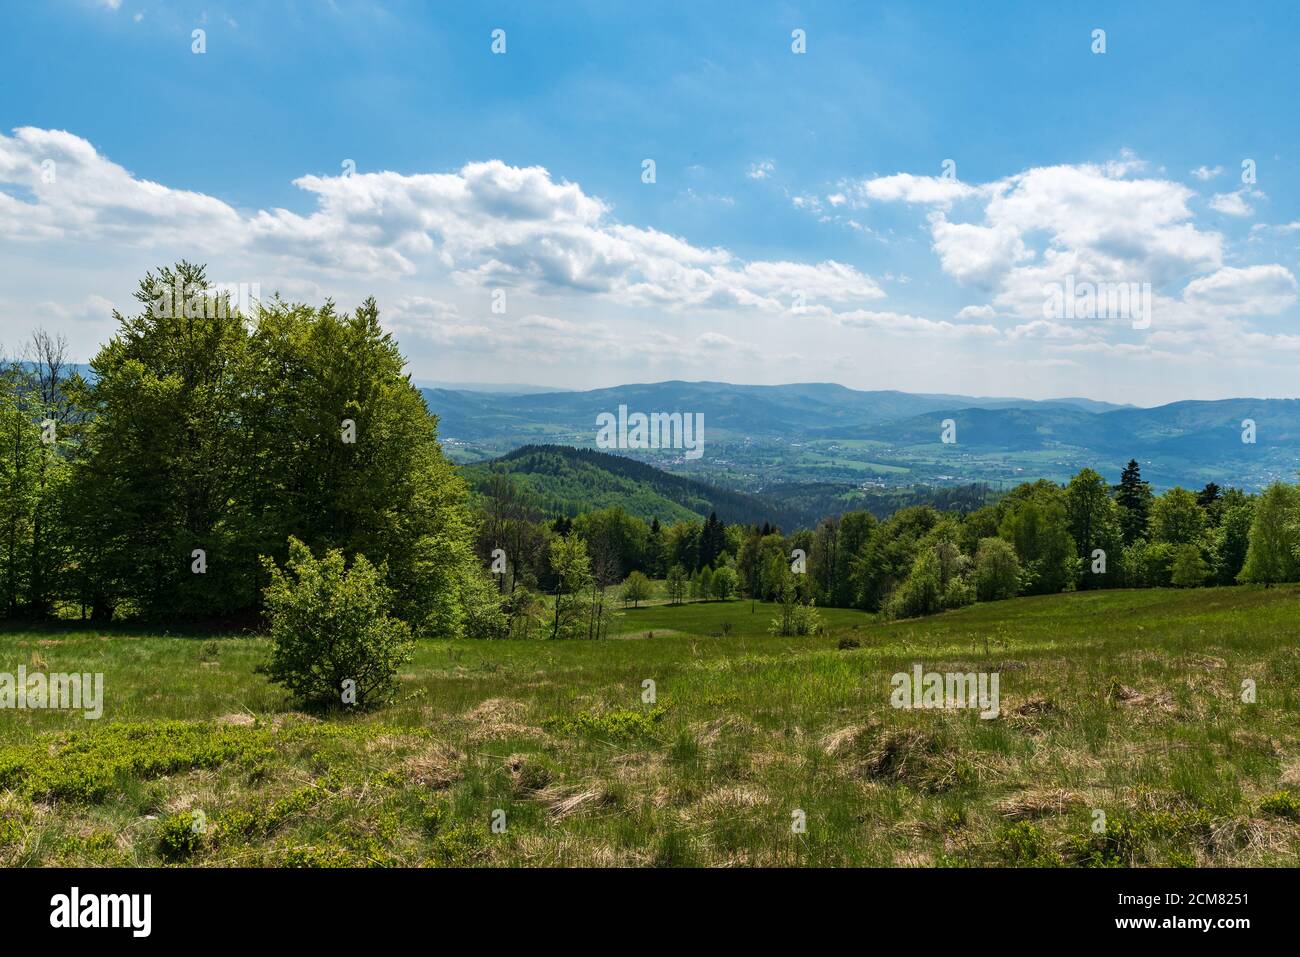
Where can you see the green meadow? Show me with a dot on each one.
(1122, 739)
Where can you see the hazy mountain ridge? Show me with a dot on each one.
(756, 436)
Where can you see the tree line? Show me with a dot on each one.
(1039, 538)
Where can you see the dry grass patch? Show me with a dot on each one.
(437, 767)
(1040, 802)
(561, 802)
(498, 718)
(708, 732)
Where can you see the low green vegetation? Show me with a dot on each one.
(1124, 702)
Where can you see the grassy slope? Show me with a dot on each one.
(1127, 702)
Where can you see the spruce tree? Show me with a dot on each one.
(1134, 499)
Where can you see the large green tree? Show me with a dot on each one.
(215, 437)
(156, 478)
(20, 464)
(1038, 528)
(1274, 537)
(1093, 520)
(1177, 518)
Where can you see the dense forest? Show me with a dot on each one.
(167, 485)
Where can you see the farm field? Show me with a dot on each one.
(1127, 703)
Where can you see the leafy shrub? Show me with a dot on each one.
(619, 724)
(433, 816)
(1025, 844)
(458, 846)
(313, 856)
(1130, 839)
(330, 625)
(250, 824)
(484, 614)
(796, 618)
(179, 837)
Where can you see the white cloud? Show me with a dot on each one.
(92, 308)
(1094, 222)
(1233, 204)
(902, 322)
(761, 170)
(486, 224)
(1206, 173)
(907, 188)
(1253, 290)
(976, 312)
(976, 254)
(1045, 329)
(78, 194)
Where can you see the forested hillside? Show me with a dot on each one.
(569, 481)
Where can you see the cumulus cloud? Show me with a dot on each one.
(486, 224)
(1231, 204)
(976, 254)
(1095, 222)
(907, 188)
(77, 193)
(1253, 290)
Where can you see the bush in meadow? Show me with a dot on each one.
(333, 640)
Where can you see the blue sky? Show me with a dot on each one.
(781, 178)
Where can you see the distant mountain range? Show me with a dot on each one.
(504, 388)
(760, 437)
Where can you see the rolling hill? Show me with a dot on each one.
(567, 481)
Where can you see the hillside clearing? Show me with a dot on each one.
(1124, 702)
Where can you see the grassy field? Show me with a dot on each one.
(1127, 703)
